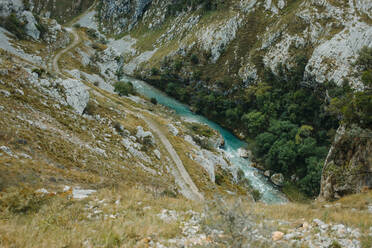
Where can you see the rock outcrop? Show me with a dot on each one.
(123, 14)
(76, 93)
(8, 7)
(348, 167)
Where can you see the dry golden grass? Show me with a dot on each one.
(347, 212)
(63, 222)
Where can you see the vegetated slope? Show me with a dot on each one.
(260, 68)
(61, 10)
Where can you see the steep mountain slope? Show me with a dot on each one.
(240, 37)
(247, 63)
(84, 166)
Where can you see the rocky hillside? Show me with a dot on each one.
(348, 167)
(238, 39)
(232, 53)
(86, 161)
(62, 10)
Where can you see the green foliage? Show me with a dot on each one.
(365, 58)
(90, 109)
(288, 120)
(194, 59)
(43, 29)
(355, 107)
(124, 88)
(200, 129)
(155, 71)
(39, 71)
(91, 33)
(13, 25)
(254, 122)
(256, 195)
(154, 100)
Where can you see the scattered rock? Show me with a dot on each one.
(4, 72)
(42, 191)
(143, 136)
(157, 154)
(79, 194)
(244, 153)
(5, 93)
(173, 129)
(276, 236)
(20, 92)
(267, 173)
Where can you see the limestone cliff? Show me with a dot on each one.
(348, 167)
(238, 39)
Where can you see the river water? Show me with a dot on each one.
(270, 194)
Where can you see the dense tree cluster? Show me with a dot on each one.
(355, 107)
(291, 123)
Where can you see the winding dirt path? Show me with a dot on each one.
(65, 50)
(182, 177)
(193, 192)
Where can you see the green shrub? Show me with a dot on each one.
(154, 101)
(256, 195)
(13, 25)
(124, 88)
(91, 33)
(194, 59)
(155, 71)
(39, 71)
(90, 109)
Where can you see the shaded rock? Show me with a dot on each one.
(277, 179)
(31, 26)
(348, 166)
(145, 136)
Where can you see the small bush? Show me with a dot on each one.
(91, 33)
(154, 71)
(90, 109)
(194, 59)
(13, 25)
(178, 65)
(118, 127)
(124, 88)
(256, 195)
(43, 29)
(98, 46)
(77, 25)
(39, 71)
(154, 101)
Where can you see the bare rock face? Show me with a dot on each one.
(76, 93)
(9, 6)
(123, 14)
(348, 167)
